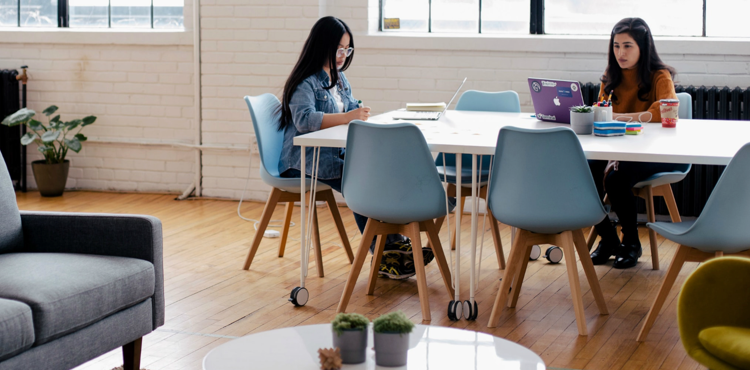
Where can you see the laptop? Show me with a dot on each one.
(424, 115)
(553, 98)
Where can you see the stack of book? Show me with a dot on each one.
(612, 128)
(633, 129)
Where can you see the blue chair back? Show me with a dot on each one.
(389, 174)
(541, 181)
(11, 232)
(482, 101)
(686, 105)
(264, 110)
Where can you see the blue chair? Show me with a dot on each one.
(472, 100)
(549, 196)
(721, 229)
(265, 114)
(404, 202)
(660, 184)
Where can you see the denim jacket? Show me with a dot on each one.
(308, 104)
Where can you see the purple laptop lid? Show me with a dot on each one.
(553, 98)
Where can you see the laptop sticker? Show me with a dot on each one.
(564, 92)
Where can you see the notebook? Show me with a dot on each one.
(553, 98)
(427, 115)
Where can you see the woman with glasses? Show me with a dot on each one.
(317, 96)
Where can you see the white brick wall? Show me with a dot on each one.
(145, 92)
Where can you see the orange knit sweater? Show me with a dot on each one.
(662, 87)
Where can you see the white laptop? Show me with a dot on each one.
(426, 115)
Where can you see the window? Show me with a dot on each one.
(466, 16)
(92, 13)
(726, 18)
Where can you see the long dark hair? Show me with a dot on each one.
(320, 48)
(648, 62)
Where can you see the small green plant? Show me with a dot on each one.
(52, 138)
(394, 322)
(349, 321)
(582, 109)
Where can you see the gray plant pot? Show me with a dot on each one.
(50, 178)
(582, 123)
(391, 349)
(353, 345)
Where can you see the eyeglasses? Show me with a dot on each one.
(342, 52)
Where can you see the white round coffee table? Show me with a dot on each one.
(431, 347)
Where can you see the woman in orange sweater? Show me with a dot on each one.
(637, 79)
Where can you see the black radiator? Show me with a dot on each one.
(692, 193)
(10, 137)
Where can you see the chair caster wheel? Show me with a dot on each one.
(471, 311)
(299, 296)
(536, 252)
(554, 254)
(454, 310)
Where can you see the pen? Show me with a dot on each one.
(359, 103)
(609, 100)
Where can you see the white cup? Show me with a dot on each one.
(602, 114)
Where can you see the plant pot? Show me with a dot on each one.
(391, 349)
(50, 178)
(353, 345)
(582, 123)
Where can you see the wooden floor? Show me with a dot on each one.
(211, 300)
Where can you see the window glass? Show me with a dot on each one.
(130, 13)
(727, 18)
(455, 16)
(89, 13)
(592, 17)
(412, 15)
(506, 16)
(38, 13)
(8, 13)
(168, 13)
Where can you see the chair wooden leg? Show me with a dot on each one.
(588, 268)
(285, 230)
(666, 286)
(438, 224)
(273, 198)
(496, 239)
(459, 208)
(666, 192)
(566, 241)
(316, 242)
(336, 215)
(651, 215)
(516, 254)
(591, 239)
(377, 256)
(515, 290)
(359, 260)
(131, 355)
(424, 299)
(437, 249)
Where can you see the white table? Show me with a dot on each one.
(431, 347)
(693, 141)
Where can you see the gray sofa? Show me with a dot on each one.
(74, 286)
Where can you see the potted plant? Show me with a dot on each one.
(53, 142)
(391, 339)
(582, 119)
(350, 336)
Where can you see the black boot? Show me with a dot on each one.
(603, 251)
(628, 253)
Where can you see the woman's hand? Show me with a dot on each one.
(361, 114)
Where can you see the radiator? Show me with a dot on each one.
(10, 137)
(692, 193)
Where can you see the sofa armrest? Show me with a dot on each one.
(134, 236)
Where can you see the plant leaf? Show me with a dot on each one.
(55, 119)
(20, 117)
(36, 125)
(81, 137)
(88, 120)
(50, 110)
(50, 136)
(28, 138)
(73, 124)
(73, 144)
(43, 149)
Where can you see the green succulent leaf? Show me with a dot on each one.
(50, 136)
(81, 137)
(28, 138)
(88, 120)
(43, 149)
(20, 117)
(73, 144)
(50, 110)
(55, 119)
(36, 125)
(73, 124)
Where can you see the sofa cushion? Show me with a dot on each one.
(16, 328)
(728, 343)
(67, 292)
(11, 234)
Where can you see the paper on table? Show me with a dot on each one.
(426, 107)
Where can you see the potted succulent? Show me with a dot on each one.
(391, 339)
(350, 336)
(53, 142)
(582, 119)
